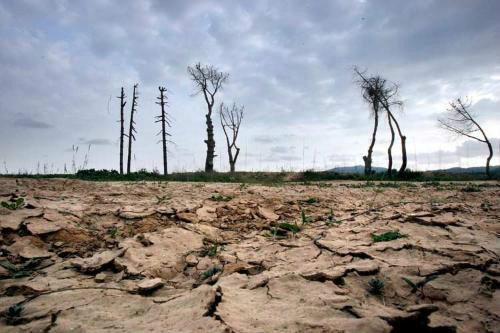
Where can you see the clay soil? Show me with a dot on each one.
(203, 257)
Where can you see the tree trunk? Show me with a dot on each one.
(403, 143)
(368, 158)
(490, 148)
(209, 162)
(122, 128)
(131, 129)
(389, 150)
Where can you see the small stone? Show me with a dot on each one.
(101, 277)
(187, 217)
(149, 285)
(267, 214)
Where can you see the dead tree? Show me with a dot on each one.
(385, 94)
(131, 131)
(208, 81)
(389, 150)
(122, 127)
(230, 120)
(461, 121)
(165, 121)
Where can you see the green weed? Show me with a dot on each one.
(220, 197)
(387, 236)
(376, 286)
(13, 204)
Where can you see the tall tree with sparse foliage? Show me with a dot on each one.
(131, 131)
(165, 122)
(230, 120)
(122, 127)
(208, 81)
(461, 121)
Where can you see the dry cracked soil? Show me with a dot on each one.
(81, 256)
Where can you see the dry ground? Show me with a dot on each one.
(192, 257)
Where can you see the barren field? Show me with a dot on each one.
(196, 257)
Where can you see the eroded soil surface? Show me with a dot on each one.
(183, 257)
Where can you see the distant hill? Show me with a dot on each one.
(361, 169)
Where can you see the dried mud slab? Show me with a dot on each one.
(199, 257)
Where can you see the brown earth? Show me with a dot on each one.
(185, 257)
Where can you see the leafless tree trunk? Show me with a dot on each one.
(131, 131)
(230, 120)
(379, 92)
(209, 81)
(389, 150)
(165, 121)
(122, 127)
(461, 121)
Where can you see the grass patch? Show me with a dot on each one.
(22, 270)
(13, 204)
(220, 197)
(376, 286)
(387, 236)
(293, 228)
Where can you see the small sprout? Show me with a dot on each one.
(311, 201)
(210, 272)
(112, 232)
(305, 219)
(12, 315)
(212, 251)
(219, 197)
(376, 286)
(294, 228)
(387, 236)
(13, 204)
(331, 219)
(413, 286)
(276, 233)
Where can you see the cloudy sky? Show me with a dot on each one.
(62, 64)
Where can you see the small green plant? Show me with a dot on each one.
(418, 286)
(22, 270)
(220, 197)
(112, 232)
(376, 286)
(13, 204)
(331, 219)
(387, 236)
(243, 186)
(12, 315)
(294, 228)
(210, 251)
(210, 272)
(305, 219)
(311, 201)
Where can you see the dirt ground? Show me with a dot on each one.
(196, 257)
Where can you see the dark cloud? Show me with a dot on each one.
(31, 123)
(290, 64)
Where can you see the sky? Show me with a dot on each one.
(290, 63)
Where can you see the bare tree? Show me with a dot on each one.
(131, 131)
(122, 127)
(230, 120)
(383, 93)
(461, 121)
(208, 80)
(389, 149)
(165, 121)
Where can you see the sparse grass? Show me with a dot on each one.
(471, 188)
(293, 228)
(311, 201)
(210, 250)
(22, 270)
(418, 286)
(112, 232)
(387, 236)
(220, 197)
(376, 286)
(13, 204)
(305, 219)
(331, 219)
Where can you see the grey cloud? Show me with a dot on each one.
(96, 142)
(31, 123)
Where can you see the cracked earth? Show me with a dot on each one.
(197, 257)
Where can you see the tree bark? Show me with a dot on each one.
(490, 148)
(209, 162)
(368, 158)
(389, 150)
(403, 142)
(122, 127)
(131, 131)
(163, 132)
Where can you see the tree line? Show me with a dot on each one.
(380, 94)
